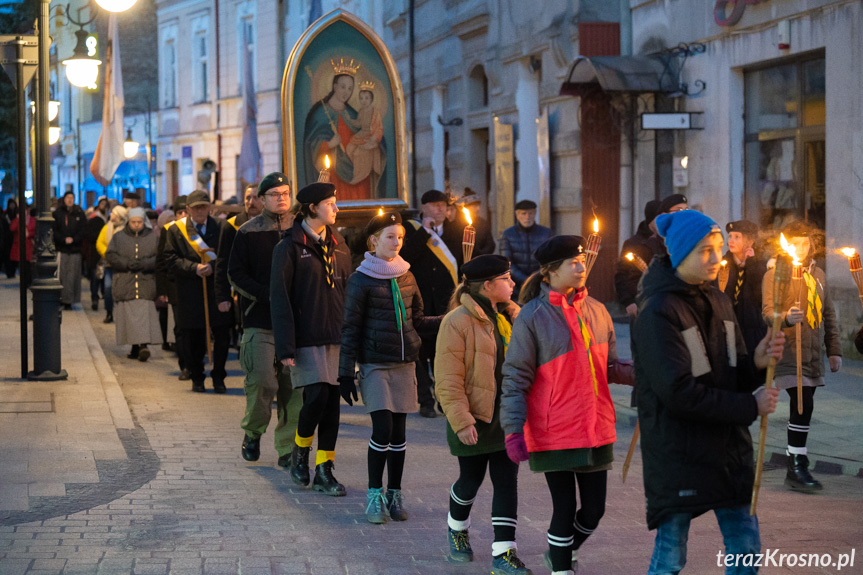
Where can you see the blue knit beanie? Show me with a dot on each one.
(682, 232)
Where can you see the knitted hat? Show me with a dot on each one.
(180, 204)
(742, 226)
(316, 193)
(470, 197)
(485, 267)
(671, 201)
(559, 248)
(433, 196)
(682, 232)
(382, 221)
(525, 205)
(272, 180)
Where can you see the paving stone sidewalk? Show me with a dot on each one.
(191, 505)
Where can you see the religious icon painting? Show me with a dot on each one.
(342, 102)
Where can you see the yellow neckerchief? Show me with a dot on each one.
(204, 251)
(813, 301)
(505, 330)
(233, 222)
(561, 300)
(585, 334)
(434, 245)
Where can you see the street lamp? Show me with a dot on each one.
(116, 5)
(82, 68)
(130, 146)
(53, 135)
(53, 109)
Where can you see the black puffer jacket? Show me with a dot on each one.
(518, 245)
(69, 223)
(370, 333)
(643, 244)
(695, 401)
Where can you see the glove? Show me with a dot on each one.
(347, 389)
(621, 372)
(135, 265)
(516, 448)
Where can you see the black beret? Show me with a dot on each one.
(180, 203)
(198, 198)
(433, 196)
(743, 227)
(382, 221)
(272, 180)
(316, 193)
(485, 267)
(651, 210)
(525, 205)
(131, 196)
(559, 248)
(669, 202)
(152, 215)
(797, 229)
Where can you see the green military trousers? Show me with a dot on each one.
(266, 379)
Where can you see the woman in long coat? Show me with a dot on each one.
(132, 257)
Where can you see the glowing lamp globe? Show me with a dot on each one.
(116, 5)
(82, 72)
(130, 146)
(53, 135)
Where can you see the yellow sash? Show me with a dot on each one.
(204, 251)
(233, 222)
(434, 245)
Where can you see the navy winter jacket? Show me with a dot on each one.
(518, 245)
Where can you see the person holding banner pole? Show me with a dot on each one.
(190, 255)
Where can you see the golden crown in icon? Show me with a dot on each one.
(342, 68)
(367, 85)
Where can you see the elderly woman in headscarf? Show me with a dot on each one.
(132, 256)
(116, 222)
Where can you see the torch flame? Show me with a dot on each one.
(848, 252)
(467, 216)
(327, 161)
(723, 263)
(629, 256)
(380, 211)
(789, 249)
(595, 225)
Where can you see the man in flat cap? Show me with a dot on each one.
(248, 270)
(309, 277)
(484, 243)
(433, 249)
(746, 270)
(190, 254)
(520, 241)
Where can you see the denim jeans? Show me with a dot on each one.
(739, 533)
(109, 295)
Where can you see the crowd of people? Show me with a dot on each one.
(509, 347)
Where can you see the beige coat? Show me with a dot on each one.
(464, 365)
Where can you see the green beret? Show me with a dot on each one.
(272, 180)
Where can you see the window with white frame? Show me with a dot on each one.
(200, 56)
(246, 33)
(168, 66)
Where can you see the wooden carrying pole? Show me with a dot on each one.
(796, 284)
(629, 453)
(207, 321)
(781, 279)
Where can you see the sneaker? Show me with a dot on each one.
(251, 448)
(395, 505)
(376, 506)
(185, 375)
(300, 465)
(326, 482)
(144, 354)
(460, 550)
(509, 564)
(546, 558)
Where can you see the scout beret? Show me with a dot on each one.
(797, 229)
(198, 198)
(743, 227)
(382, 221)
(316, 193)
(671, 201)
(132, 196)
(180, 203)
(682, 232)
(651, 210)
(485, 267)
(272, 180)
(525, 205)
(559, 248)
(433, 196)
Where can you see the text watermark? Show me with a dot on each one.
(775, 558)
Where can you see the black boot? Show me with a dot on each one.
(134, 353)
(143, 353)
(798, 477)
(325, 482)
(109, 318)
(300, 465)
(251, 448)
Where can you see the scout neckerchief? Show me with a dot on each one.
(398, 303)
(505, 330)
(325, 252)
(813, 301)
(195, 240)
(441, 251)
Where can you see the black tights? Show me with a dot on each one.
(387, 449)
(504, 502)
(798, 424)
(320, 411)
(568, 529)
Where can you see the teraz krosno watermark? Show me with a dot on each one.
(774, 558)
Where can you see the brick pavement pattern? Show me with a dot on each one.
(192, 506)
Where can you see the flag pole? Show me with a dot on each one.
(207, 321)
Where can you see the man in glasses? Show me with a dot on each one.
(249, 274)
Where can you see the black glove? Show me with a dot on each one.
(348, 388)
(135, 265)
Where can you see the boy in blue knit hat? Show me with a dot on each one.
(697, 396)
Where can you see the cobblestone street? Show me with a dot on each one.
(183, 502)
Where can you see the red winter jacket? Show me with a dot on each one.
(548, 390)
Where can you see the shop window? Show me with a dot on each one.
(785, 127)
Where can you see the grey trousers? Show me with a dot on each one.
(70, 278)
